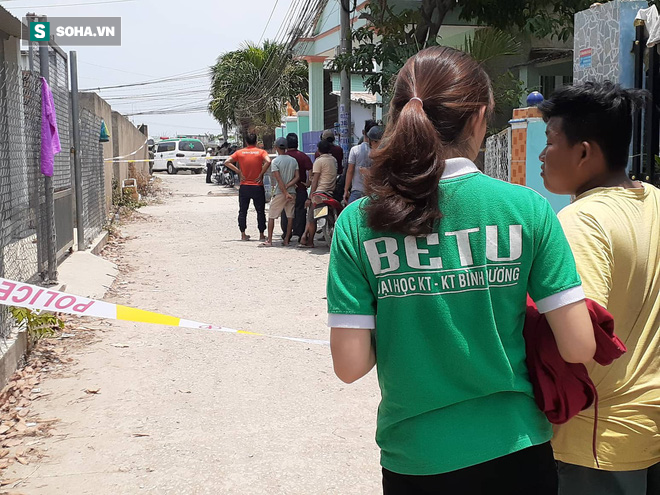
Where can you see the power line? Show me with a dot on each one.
(177, 125)
(112, 68)
(267, 23)
(180, 77)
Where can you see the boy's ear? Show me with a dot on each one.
(586, 152)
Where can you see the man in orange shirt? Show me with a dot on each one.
(252, 164)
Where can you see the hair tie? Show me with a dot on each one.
(418, 99)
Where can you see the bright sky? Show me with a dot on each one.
(162, 38)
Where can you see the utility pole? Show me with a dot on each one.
(345, 96)
(30, 17)
(77, 166)
(51, 240)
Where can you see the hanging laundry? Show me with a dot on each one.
(50, 139)
(652, 22)
(105, 135)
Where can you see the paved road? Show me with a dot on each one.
(185, 411)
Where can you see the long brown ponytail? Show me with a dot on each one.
(437, 92)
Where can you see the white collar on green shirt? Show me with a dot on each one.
(455, 167)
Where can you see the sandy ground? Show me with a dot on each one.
(188, 411)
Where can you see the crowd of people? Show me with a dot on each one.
(300, 184)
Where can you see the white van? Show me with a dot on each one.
(180, 154)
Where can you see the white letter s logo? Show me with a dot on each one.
(39, 31)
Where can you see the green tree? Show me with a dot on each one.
(392, 35)
(486, 46)
(250, 87)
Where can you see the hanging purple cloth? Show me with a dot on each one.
(50, 139)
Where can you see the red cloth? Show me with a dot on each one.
(564, 389)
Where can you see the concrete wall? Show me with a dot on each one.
(129, 140)
(99, 107)
(125, 138)
(359, 114)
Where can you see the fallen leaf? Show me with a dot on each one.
(22, 460)
(140, 435)
(23, 412)
(9, 482)
(12, 442)
(92, 390)
(4, 453)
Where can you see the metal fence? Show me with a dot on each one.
(497, 161)
(22, 204)
(93, 176)
(24, 230)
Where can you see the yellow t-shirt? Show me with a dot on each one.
(615, 237)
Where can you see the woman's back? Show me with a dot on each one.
(438, 261)
(449, 310)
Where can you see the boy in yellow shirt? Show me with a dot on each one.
(613, 228)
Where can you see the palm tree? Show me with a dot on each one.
(487, 46)
(250, 86)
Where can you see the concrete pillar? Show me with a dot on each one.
(316, 95)
(292, 126)
(303, 122)
(518, 169)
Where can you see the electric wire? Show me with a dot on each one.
(268, 22)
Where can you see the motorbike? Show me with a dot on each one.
(326, 213)
(224, 175)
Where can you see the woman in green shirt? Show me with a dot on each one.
(428, 280)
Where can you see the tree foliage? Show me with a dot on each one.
(250, 86)
(392, 35)
(486, 46)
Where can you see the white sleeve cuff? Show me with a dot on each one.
(561, 299)
(367, 322)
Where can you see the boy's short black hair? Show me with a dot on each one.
(598, 112)
(324, 146)
(368, 124)
(292, 141)
(251, 138)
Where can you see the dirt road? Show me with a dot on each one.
(191, 412)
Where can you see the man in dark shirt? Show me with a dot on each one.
(304, 167)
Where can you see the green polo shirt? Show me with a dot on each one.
(448, 309)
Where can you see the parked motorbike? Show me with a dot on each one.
(229, 177)
(325, 214)
(224, 175)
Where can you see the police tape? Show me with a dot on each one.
(120, 158)
(23, 295)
